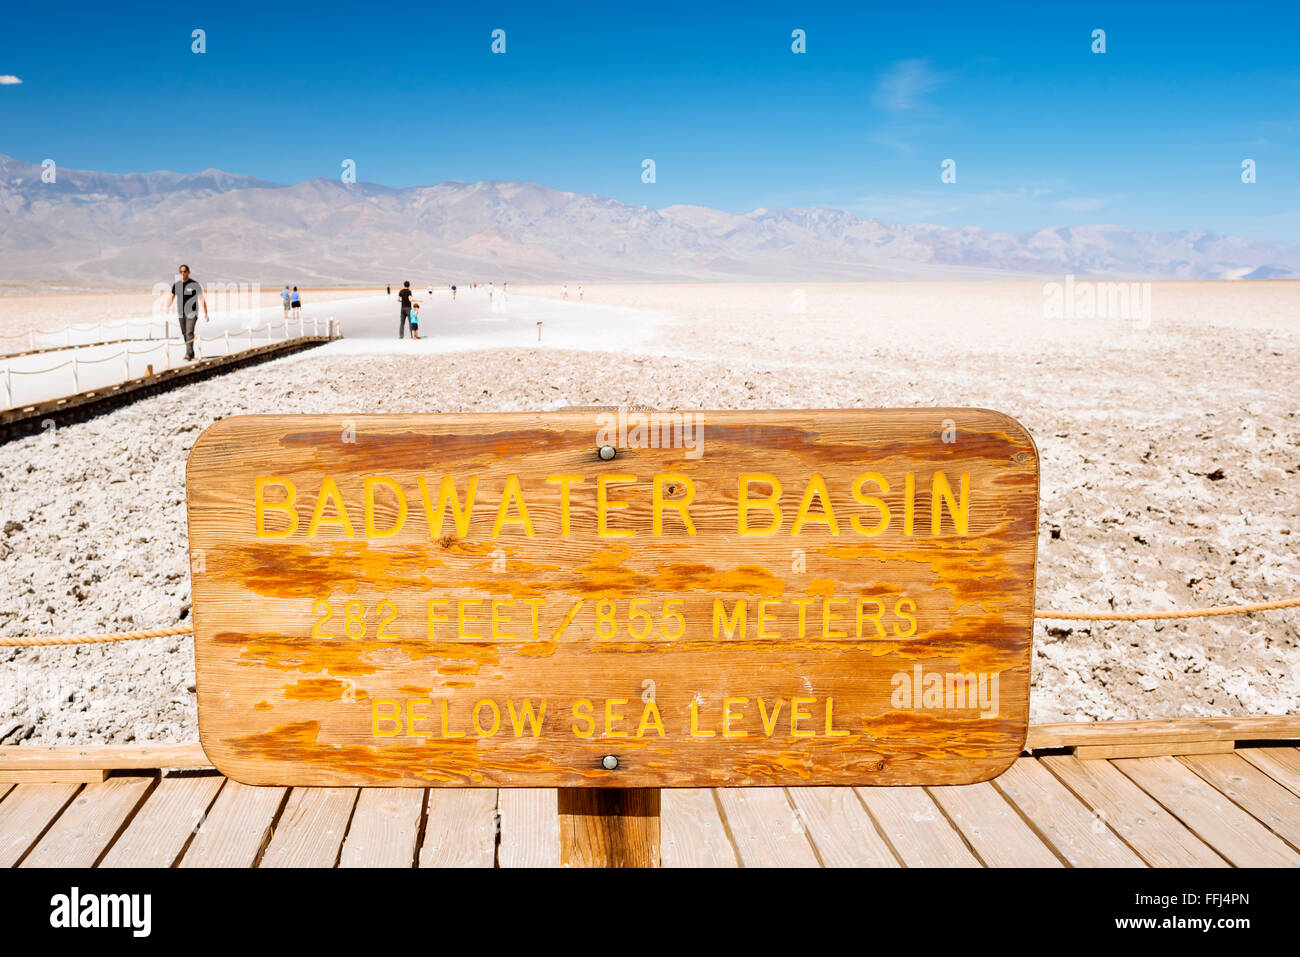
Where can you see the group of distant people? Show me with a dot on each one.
(409, 306)
(291, 300)
(187, 293)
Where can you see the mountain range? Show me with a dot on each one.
(131, 229)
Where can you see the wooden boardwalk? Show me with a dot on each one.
(1226, 806)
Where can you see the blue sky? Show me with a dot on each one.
(1151, 134)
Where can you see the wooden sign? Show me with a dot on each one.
(613, 598)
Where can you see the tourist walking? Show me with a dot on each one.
(284, 297)
(188, 295)
(296, 303)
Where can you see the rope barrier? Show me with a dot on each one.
(34, 640)
(40, 371)
(79, 345)
(1164, 615)
(166, 344)
(40, 640)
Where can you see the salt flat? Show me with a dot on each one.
(1170, 449)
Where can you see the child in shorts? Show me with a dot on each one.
(415, 320)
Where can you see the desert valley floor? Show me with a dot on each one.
(1169, 444)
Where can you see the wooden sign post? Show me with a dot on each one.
(614, 600)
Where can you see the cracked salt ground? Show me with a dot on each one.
(1160, 503)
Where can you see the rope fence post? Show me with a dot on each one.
(76, 384)
(9, 388)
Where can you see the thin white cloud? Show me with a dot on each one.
(8, 79)
(1028, 201)
(1083, 204)
(906, 84)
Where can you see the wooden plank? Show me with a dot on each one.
(1281, 764)
(27, 417)
(311, 828)
(765, 828)
(1255, 728)
(1097, 752)
(1152, 832)
(404, 645)
(692, 830)
(1210, 814)
(90, 823)
(385, 830)
(841, 829)
(170, 817)
(1269, 802)
(462, 826)
(609, 827)
(110, 757)
(237, 827)
(26, 813)
(993, 827)
(59, 776)
(529, 819)
(1062, 820)
(916, 829)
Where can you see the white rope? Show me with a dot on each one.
(115, 355)
(166, 344)
(83, 325)
(40, 371)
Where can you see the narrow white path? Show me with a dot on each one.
(471, 321)
(41, 376)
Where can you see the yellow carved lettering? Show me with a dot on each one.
(816, 487)
(582, 711)
(394, 715)
(370, 484)
(261, 506)
(769, 503)
(329, 494)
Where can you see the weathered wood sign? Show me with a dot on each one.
(621, 599)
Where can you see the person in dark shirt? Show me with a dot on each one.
(404, 299)
(188, 295)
